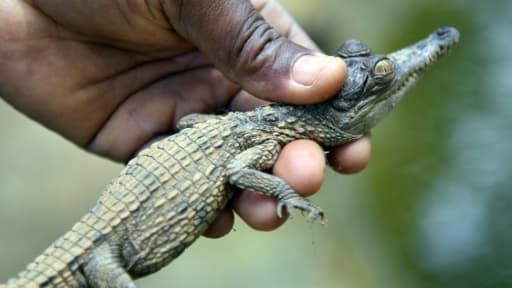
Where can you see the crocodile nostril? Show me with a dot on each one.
(447, 32)
(443, 31)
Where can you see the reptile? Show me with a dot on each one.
(169, 194)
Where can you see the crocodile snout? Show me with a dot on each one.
(447, 34)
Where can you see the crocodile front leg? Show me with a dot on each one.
(244, 172)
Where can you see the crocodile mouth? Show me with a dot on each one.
(412, 77)
(412, 62)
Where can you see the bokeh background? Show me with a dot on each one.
(433, 209)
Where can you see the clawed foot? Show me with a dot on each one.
(312, 211)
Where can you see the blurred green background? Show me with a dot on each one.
(431, 210)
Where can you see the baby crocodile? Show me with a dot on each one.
(170, 193)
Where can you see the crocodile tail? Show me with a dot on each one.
(55, 267)
(59, 265)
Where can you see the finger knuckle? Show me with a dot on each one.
(256, 45)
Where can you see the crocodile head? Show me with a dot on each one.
(376, 83)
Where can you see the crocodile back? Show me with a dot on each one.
(171, 191)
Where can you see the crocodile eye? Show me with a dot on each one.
(383, 67)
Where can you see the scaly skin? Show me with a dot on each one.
(170, 193)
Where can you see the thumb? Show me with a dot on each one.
(251, 53)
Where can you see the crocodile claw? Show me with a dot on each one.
(312, 211)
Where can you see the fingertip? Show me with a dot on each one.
(222, 224)
(258, 210)
(351, 157)
(301, 164)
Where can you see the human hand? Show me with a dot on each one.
(112, 75)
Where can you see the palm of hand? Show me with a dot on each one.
(112, 90)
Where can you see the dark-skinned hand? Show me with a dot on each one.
(111, 75)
